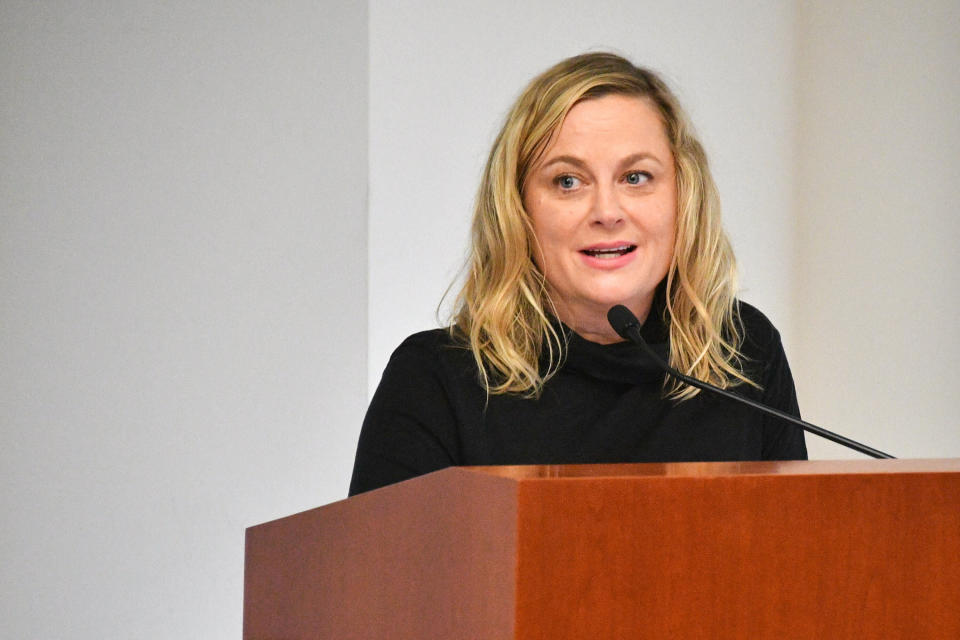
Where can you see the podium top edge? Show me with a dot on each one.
(507, 475)
(719, 469)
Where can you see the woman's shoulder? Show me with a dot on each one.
(760, 337)
(429, 339)
(431, 342)
(433, 349)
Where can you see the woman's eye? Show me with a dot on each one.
(567, 182)
(638, 177)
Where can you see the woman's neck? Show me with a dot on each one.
(590, 321)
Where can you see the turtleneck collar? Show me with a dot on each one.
(621, 361)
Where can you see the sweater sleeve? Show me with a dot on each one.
(410, 426)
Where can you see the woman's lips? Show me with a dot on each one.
(608, 253)
(609, 256)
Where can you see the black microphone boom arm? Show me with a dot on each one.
(626, 324)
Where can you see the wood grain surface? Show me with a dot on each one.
(851, 549)
(701, 555)
(433, 557)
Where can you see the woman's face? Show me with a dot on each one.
(603, 202)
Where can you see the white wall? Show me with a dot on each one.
(877, 299)
(182, 300)
(443, 74)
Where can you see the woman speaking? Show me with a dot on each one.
(596, 193)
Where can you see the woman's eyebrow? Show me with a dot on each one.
(637, 157)
(577, 162)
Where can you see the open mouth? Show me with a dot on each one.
(610, 253)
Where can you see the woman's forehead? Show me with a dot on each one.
(613, 124)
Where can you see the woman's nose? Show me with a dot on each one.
(606, 207)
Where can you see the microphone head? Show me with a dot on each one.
(623, 321)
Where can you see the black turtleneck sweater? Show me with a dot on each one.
(604, 405)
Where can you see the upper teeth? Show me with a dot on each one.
(613, 250)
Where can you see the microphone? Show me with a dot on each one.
(628, 327)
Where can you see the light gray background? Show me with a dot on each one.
(197, 296)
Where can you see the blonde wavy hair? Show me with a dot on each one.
(503, 313)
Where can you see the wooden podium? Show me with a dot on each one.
(852, 549)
